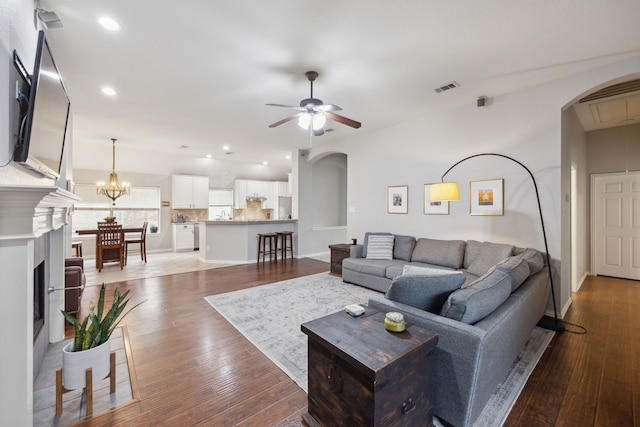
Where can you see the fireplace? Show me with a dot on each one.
(41, 298)
(39, 285)
(32, 230)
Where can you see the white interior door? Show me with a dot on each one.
(615, 239)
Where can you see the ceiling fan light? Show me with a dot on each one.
(304, 120)
(316, 120)
(319, 120)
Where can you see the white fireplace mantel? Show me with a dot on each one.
(27, 212)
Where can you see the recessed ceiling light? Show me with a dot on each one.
(225, 147)
(265, 163)
(108, 91)
(208, 156)
(108, 23)
(288, 156)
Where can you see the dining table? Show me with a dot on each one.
(94, 231)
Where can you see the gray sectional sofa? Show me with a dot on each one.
(481, 298)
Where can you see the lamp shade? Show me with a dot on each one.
(443, 192)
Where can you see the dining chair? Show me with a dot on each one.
(110, 244)
(142, 241)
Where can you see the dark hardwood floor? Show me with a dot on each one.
(591, 379)
(194, 369)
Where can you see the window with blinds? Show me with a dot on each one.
(143, 204)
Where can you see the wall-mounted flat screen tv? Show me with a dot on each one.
(43, 127)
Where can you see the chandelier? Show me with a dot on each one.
(113, 188)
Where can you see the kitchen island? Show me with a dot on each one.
(236, 242)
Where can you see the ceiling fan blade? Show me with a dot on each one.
(285, 120)
(295, 107)
(343, 120)
(328, 107)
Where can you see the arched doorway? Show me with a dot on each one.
(600, 134)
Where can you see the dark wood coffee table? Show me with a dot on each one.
(360, 374)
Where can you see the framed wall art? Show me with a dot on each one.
(433, 208)
(398, 199)
(486, 197)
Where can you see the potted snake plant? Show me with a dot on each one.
(90, 346)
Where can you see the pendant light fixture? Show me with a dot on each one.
(113, 188)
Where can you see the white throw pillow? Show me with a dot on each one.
(414, 270)
(380, 247)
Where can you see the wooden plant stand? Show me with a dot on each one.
(88, 389)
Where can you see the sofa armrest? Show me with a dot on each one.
(457, 360)
(356, 251)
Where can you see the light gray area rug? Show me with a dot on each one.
(270, 317)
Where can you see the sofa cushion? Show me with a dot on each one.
(517, 269)
(448, 253)
(482, 256)
(380, 247)
(416, 270)
(403, 247)
(397, 267)
(425, 291)
(479, 299)
(366, 240)
(534, 259)
(367, 266)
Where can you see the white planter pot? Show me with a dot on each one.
(75, 364)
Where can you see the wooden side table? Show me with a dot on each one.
(360, 374)
(339, 252)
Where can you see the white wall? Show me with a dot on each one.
(614, 149)
(574, 152)
(311, 240)
(330, 191)
(17, 32)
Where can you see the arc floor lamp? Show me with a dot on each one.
(448, 191)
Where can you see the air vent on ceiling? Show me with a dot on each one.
(613, 90)
(448, 86)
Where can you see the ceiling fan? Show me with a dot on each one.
(313, 113)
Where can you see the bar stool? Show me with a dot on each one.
(286, 243)
(265, 239)
(77, 246)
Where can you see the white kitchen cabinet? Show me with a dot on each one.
(240, 194)
(190, 192)
(183, 237)
(279, 188)
(282, 189)
(247, 187)
(260, 188)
